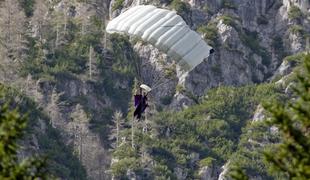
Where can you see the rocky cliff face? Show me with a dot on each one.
(253, 37)
(67, 100)
(62, 102)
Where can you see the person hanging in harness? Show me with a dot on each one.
(141, 101)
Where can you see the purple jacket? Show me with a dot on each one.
(138, 99)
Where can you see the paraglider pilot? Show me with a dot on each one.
(140, 103)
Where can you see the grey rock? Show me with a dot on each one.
(259, 114)
(205, 173)
(180, 173)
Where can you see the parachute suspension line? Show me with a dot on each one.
(157, 78)
(160, 84)
(105, 33)
(160, 79)
(132, 132)
(136, 66)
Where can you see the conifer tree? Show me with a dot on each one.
(12, 127)
(292, 155)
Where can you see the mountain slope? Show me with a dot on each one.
(58, 54)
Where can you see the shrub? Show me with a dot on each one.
(206, 162)
(180, 6)
(228, 20)
(60, 159)
(179, 88)
(207, 9)
(294, 12)
(296, 29)
(28, 6)
(291, 156)
(209, 33)
(228, 4)
(117, 5)
(120, 168)
(296, 58)
(251, 40)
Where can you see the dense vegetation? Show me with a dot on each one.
(28, 6)
(210, 33)
(64, 47)
(218, 130)
(203, 135)
(12, 127)
(69, 50)
(291, 156)
(60, 160)
(283, 138)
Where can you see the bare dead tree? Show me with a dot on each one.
(12, 26)
(118, 122)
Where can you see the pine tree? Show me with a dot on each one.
(118, 122)
(12, 127)
(292, 155)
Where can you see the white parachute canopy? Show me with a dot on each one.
(164, 29)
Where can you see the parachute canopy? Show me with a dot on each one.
(164, 29)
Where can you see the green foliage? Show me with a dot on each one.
(297, 29)
(100, 121)
(210, 129)
(127, 159)
(69, 55)
(229, 4)
(115, 72)
(180, 7)
(120, 168)
(118, 4)
(286, 150)
(249, 155)
(210, 33)
(207, 9)
(251, 40)
(228, 20)
(294, 12)
(162, 172)
(179, 88)
(238, 174)
(170, 71)
(28, 6)
(296, 58)
(62, 163)
(60, 160)
(206, 162)
(292, 119)
(123, 67)
(124, 57)
(12, 128)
